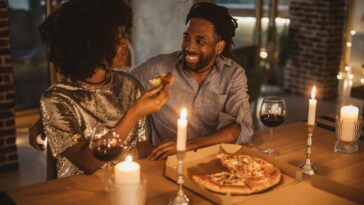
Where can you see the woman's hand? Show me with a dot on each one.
(153, 100)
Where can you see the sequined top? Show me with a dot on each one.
(70, 110)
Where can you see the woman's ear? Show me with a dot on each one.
(219, 48)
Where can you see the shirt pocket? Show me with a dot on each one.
(210, 105)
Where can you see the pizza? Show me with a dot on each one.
(161, 79)
(245, 175)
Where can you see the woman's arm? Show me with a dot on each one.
(152, 101)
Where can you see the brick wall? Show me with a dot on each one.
(8, 154)
(315, 46)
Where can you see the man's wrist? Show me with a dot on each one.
(193, 144)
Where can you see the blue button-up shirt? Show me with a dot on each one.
(222, 98)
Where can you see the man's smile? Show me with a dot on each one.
(191, 58)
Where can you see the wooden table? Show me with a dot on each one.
(289, 140)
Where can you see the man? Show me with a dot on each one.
(208, 83)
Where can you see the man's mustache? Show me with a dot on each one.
(189, 53)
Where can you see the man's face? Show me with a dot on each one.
(200, 45)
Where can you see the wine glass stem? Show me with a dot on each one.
(270, 139)
(107, 177)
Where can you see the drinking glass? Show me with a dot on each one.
(106, 146)
(272, 113)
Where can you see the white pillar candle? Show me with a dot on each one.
(348, 115)
(312, 107)
(182, 131)
(127, 172)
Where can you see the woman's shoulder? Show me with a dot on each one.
(122, 77)
(60, 91)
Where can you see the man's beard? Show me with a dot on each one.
(201, 65)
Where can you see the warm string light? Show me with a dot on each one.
(339, 76)
(263, 54)
(347, 69)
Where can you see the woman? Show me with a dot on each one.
(85, 38)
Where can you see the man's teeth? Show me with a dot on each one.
(191, 58)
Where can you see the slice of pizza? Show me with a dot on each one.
(161, 79)
(222, 182)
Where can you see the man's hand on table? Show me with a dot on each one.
(163, 150)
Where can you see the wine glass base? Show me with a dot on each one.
(270, 152)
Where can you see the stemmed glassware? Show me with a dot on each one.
(105, 146)
(272, 113)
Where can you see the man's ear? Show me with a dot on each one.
(219, 48)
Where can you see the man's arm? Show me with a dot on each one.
(237, 109)
(228, 134)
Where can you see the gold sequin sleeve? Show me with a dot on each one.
(60, 123)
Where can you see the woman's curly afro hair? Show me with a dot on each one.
(82, 35)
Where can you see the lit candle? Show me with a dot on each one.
(182, 131)
(312, 107)
(127, 172)
(348, 115)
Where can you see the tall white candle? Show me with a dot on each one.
(348, 115)
(127, 172)
(312, 107)
(182, 131)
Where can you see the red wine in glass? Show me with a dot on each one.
(272, 114)
(272, 120)
(107, 153)
(105, 146)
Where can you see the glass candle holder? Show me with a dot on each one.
(129, 194)
(347, 134)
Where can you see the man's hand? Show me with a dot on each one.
(163, 150)
(34, 131)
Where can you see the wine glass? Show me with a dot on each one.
(105, 146)
(272, 113)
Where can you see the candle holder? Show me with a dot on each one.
(180, 198)
(307, 166)
(347, 133)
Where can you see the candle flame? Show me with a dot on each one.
(313, 92)
(183, 113)
(129, 158)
